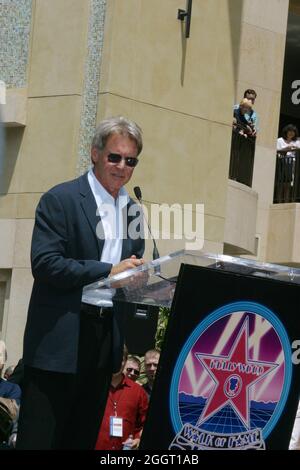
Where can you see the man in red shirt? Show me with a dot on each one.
(132, 368)
(125, 412)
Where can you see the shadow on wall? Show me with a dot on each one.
(235, 13)
(9, 150)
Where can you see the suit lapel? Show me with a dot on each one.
(89, 207)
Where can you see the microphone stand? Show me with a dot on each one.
(155, 253)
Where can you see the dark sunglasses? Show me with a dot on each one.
(130, 370)
(116, 158)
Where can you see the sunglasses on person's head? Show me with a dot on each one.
(116, 158)
(130, 370)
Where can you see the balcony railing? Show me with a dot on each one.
(287, 178)
(242, 158)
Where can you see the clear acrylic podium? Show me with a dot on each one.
(154, 283)
(230, 318)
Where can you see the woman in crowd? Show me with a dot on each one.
(286, 150)
(288, 143)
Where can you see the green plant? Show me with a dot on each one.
(162, 323)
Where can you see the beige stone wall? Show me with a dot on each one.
(181, 93)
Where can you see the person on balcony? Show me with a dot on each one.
(288, 143)
(240, 122)
(251, 115)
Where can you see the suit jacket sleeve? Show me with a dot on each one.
(142, 408)
(49, 251)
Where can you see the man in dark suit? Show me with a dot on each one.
(71, 348)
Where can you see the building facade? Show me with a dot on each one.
(67, 64)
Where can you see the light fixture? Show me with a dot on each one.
(186, 15)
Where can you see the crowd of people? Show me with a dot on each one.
(126, 407)
(127, 403)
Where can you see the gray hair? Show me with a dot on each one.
(117, 125)
(152, 352)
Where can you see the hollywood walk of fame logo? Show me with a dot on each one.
(246, 374)
(231, 380)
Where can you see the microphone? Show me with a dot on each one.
(138, 195)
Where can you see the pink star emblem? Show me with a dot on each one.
(233, 376)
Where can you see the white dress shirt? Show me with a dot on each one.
(110, 211)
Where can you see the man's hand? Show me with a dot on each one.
(135, 444)
(12, 440)
(128, 263)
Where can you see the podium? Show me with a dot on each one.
(229, 374)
